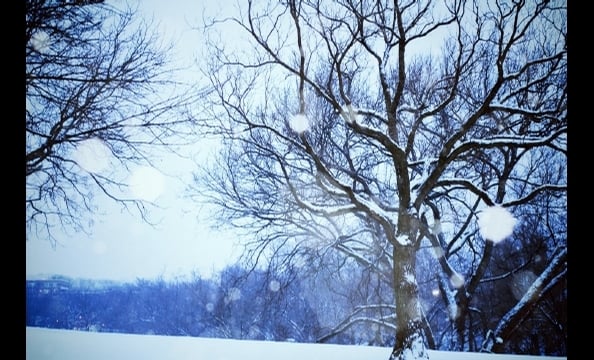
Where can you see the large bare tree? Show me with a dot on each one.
(100, 92)
(375, 129)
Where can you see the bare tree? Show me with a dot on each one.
(98, 84)
(374, 129)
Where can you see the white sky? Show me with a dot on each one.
(53, 344)
(121, 246)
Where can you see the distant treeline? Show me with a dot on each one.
(285, 305)
(237, 304)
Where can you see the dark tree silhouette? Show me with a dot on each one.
(99, 86)
(375, 129)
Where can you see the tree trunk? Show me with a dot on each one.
(409, 343)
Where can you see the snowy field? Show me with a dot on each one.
(50, 344)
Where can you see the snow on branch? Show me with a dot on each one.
(351, 115)
(354, 115)
(483, 195)
(537, 190)
(358, 203)
(327, 210)
(354, 319)
(507, 140)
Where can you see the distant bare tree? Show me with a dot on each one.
(98, 82)
(377, 129)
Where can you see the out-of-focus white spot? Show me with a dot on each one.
(457, 280)
(314, 242)
(210, 307)
(274, 286)
(146, 183)
(92, 155)
(413, 308)
(435, 292)
(351, 115)
(437, 252)
(28, 104)
(521, 282)
(496, 223)
(99, 247)
(253, 332)
(453, 311)
(299, 123)
(299, 262)
(234, 294)
(40, 41)
(436, 228)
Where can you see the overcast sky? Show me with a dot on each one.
(121, 246)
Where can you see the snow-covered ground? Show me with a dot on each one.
(50, 344)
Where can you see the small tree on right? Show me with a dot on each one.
(381, 132)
